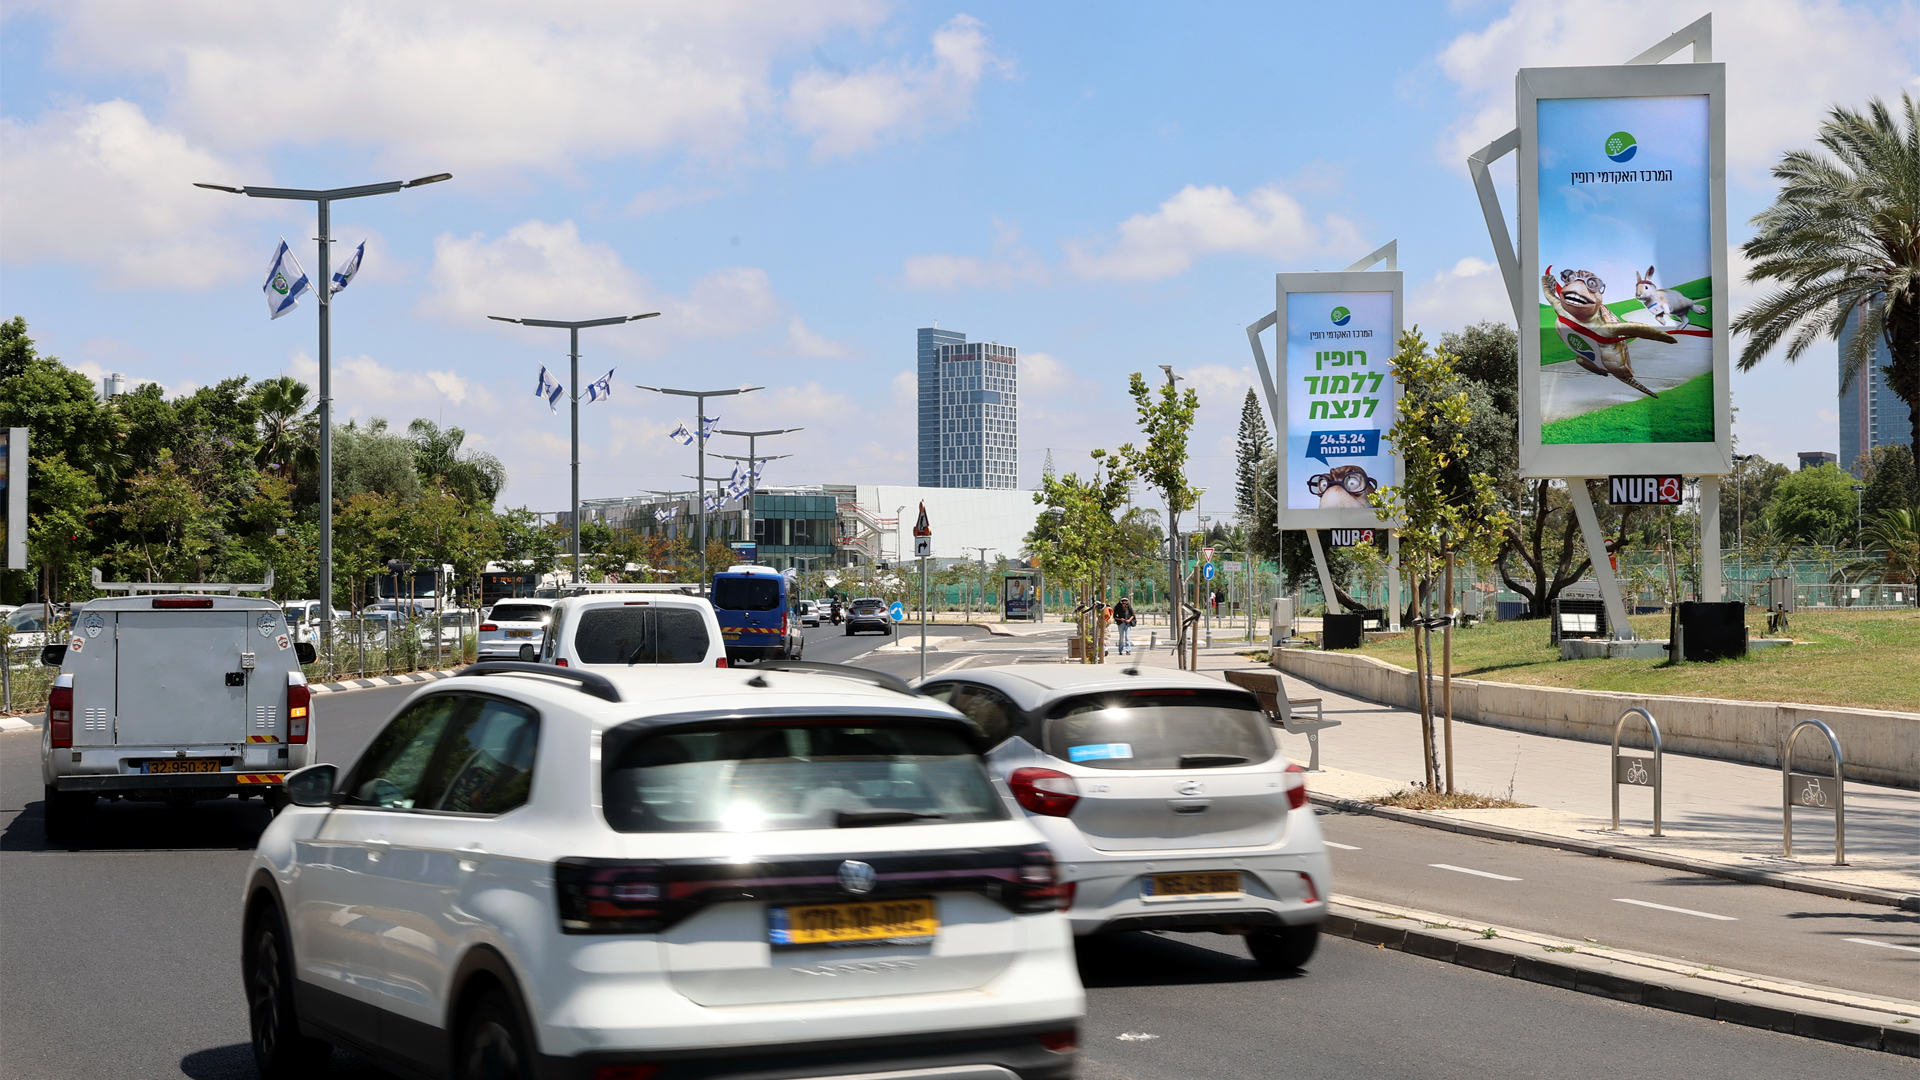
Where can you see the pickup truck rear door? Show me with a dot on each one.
(181, 679)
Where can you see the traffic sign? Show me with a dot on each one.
(1207, 571)
(898, 612)
(1206, 554)
(923, 547)
(1232, 567)
(921, 527)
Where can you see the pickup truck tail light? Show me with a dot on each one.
(60, 717)
(721, 662)
(1048, 792)
(1297, 791)
(299, 705)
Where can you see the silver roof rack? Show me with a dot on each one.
(135, 588)
(589, 588)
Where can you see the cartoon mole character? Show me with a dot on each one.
(1596, 335)
(1343, 486)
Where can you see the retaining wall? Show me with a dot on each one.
(1879, 747)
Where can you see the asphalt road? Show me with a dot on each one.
(118, 956)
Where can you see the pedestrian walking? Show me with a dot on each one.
(1124, 618)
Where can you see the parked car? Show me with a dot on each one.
(751, 604)
(174, 697)
(868, 613)
(1164, 796)
(303, 618)
(27, 625)
(807, 611)
(621, 629)
(515, 629)
(604, 873)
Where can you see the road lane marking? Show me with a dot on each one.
(1342, 847)
(1475, 873)
(1881, 944)
(1681, 910)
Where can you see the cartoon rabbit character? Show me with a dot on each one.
(1669, 308)
(1597, 336)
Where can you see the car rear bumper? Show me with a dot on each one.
(223, 783)
(999, 1053)
(868, 624)
(1279, 889)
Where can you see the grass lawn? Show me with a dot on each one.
(1866, 659)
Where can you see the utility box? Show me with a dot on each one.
(1781, 594)
(1343, 631)
(1577, 617)
(1703, 631)
(1279, 620)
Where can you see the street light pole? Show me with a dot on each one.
(983, 576)
(753, 483)
(1859, 492)
(700, 433)
(573, 358)
(323, 198)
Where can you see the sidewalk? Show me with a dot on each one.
(1718, 814)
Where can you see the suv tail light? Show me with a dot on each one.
(1297, 793)
(721, 662)
(1044, 791)
(489, 626)
(60, 717)
(299, 703)
(1039, 887)
(560, 662)
(1061, 1042)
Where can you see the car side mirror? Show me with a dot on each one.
(52, 654)
(313, 785)
(304, 651)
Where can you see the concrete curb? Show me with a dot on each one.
(1778, 880)
(1731, 997)
(14, 723)
(375, 681)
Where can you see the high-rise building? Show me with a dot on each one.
(971, 436)
(1871, 414)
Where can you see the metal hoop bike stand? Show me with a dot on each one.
(1810, 790)
(1633, 770)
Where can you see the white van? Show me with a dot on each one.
(175, 696)
(622, 629)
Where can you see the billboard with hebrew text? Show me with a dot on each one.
(1336, 333)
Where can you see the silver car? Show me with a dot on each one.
(1164, 797)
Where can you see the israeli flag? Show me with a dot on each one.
(706, 426)
(681, 433)
(285, 282)
(601, 388)
(549, 388)
(343, 277)
(711, 503)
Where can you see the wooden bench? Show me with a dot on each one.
(1266, 687)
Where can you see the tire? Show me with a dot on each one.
(280, 1052)
(1285, 949)
(492, 1043)
(64, 812)
(849, 631)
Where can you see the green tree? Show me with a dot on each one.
(1889, 479)
(1843, 238)
(166, 519)
(1747, 491)
(1253, 444)
(1166, 418)
(372, 459)
(523, 539)
(1895, 537)
(1813, 506)
(474, 476)
(1078, 539)
(59, 535)
(289, 430)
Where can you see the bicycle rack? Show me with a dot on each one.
(1812, 792)
(1633, 770)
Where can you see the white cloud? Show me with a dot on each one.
(546, 271)
(101, 185)
(666, 198)
(1465, 293)
(970, 272)
(364, 387)
(847, 113)
(802, 341)
(1199, 221)
(1788, 62)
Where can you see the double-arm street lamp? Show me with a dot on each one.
(753, 460)
(700, 434)
(573, 356)
(323, 198)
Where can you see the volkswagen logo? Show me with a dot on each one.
(856, 877)
(1191, 787)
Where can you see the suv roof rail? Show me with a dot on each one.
(590, 588)
(590, 682)
(134, 588)
(881, 679)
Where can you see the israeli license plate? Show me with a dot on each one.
(1212, 883)
(180, 765)
(520, 633)
(877, 922)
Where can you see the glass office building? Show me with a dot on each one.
(928, 370)
(1871, 414)
(971, 439)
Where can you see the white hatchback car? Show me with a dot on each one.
(535, 871)
(1164, 797)
(515, 629)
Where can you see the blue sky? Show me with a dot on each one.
(800, 186)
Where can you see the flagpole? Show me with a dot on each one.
(573, 358)
(700, 433)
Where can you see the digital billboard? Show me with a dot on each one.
(1336, 333)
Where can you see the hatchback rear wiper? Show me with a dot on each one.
(1211, 761)
(854, 819)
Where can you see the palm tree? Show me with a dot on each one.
(287, 430)
(1895, 535)
(1843, 236)
(475, 476)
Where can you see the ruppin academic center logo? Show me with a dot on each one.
(1341, 316)
(1621, 146)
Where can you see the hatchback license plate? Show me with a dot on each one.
(179, 765)
(879, 922)
(1218, 883)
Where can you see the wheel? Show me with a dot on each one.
(63, 813)
(849, 631)
(1287, 948)
(492, 1043)
(279, 1050)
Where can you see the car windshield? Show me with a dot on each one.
(640, 634)
(746, 593)
(519, 613)
(811, 774)
(1159, 729)
(868, 606)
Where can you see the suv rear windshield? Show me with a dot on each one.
(808, 774)
(1159, 729)
(868, 607)
(746, 593)
(640, 635)
(519, 613)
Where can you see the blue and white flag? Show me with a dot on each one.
(285, 282)
(711, 503)
(343, 277)
(601, 387)
(549, 388)
(706, 426)
(681, 433)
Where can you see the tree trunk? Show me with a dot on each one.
(1446, 668)
(1421, 688)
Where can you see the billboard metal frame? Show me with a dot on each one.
(15, 556)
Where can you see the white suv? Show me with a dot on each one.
(1164, 797)
(515, 629)
(618, 630)
(535, 871)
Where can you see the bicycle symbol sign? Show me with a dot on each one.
(1632, 770)
(1810, 791)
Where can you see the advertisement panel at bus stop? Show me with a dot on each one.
(1337, 334)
